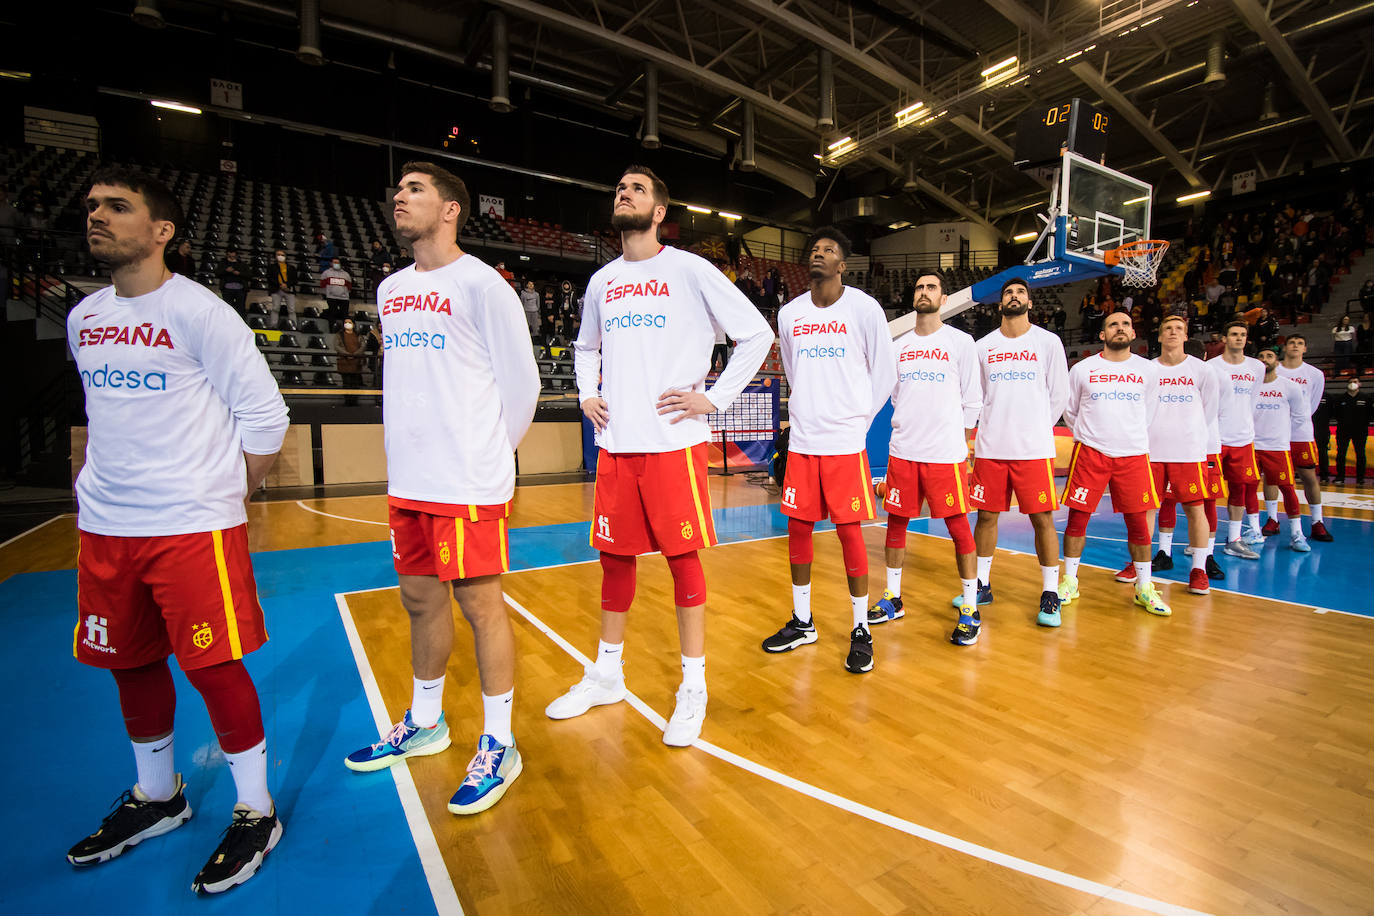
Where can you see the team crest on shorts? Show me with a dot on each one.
(1145, 498)
(202, 635)
(854, 504)
(444, 553)
(1192, 488)
(1249, 472)
(949, 499)
(686, 531)
(1043, 499)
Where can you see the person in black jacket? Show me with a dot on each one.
(233, 281)
(1321, 429)
(1351, 411)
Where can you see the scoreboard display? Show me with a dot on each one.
(1044, 130)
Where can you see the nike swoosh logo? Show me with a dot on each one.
(163, 748)
(690, 597)
(91, 315)
(430, 687)
(508, 701)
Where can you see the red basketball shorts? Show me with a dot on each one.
(448, 541)
(1276, 467)
(995, 480)
(1238, 465)
(1186, 481)
(1216, 480)
(1092, 473)
(1304, 454)
(140, 599)
(838, 487)
(648, 501)
(943, 486)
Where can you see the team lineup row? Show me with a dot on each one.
(164, 568)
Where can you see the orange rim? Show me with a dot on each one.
(1138, 248)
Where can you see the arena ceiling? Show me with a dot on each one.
(1199, 89)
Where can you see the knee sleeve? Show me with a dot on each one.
(617, 582)
(960, 532)
(1209, 506)
(896, 531)
(1168, 513)
(148, 699)
(689, 580)
(1252, 498)
(1078, 523)
(232, 702)
(799, 549)
(1290, 501)
(853, 549)
(1137, 532)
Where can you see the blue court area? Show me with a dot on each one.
(347, 847)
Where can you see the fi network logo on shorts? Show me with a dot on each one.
(789, 497)
(97, 633)
(603, 529)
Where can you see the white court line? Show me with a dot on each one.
(1032, 869)
(342, 518)
(25, 534)
(431, 860)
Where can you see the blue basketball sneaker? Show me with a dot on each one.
(489, 776)
(1049, 609)
(406, 739)
(984, 596)
(888, 607)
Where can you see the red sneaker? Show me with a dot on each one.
(1127, 573)
(1197, 582)
(1270, 528)
(1319, 533)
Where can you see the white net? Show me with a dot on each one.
(1141, 262)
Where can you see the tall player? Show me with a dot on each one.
(935, 405)
(1111, 405)
(1025, 387)
(841, 366)
(641, 357)
(1282, 404)
(1312, 381)
(185, 421)
(1185, 403)
(460, 386)
(1239, 377)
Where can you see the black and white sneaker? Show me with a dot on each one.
(793, 634)
(134, 818)
(966, 630)
(1162, 562)
(860, 657)
(250, 836)
(1214, 570)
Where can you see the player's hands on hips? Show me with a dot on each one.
(685, 404)
(597, 412)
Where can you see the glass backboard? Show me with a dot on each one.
(1103, 208)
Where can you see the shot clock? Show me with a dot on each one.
(1043, 130)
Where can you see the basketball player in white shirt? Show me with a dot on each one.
(649, 321)
(935, 405)
(1025, 387)
(460, 387)
(1240, 377)
(185, 421)
(1313, 383)
(840, 363)
(1282, 403)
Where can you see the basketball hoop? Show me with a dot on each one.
(1140, 260)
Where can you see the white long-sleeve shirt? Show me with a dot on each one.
(841, 368)
(938, 395)
(176, 392)
(1239, 390)
(1312, 381)
(460, 383)
(1111, 404)
(648, 327)
(1186, 398)
(1025, 388)
(1281, 403)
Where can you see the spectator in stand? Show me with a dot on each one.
(32, 195)
(720, 353)
(1214, 346)
(505, 274)
(233, 282)
(1343, 337)
(282, 285)
(1364, 342)
(1060, 318)
(1351, 411)
(324, 250)
(529, 301)
(1266, 330)
(9, 219)
(1321, 428)
(337, 284)
(376, 259)
(349, 350)
(548, 313)
(373, 347)
(182, 261)
(1367, 295)
(404, 260)
(567, 300)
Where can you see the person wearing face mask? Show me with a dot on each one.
(1351, 411)
(349, 350)
(337, 284)
(282, 282)
(233, 282)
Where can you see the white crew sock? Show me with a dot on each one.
(1295, 525)
(496, 712)
(694, 672)
(249, 769)
(156, 771)
(1271, 506)
(859, 603)
(1049, 578)
(1142, 576)
(1316, 511)
(427, 702)
(985, 570)
(1166, 541)
(970, 587)
(1200, 557)
(1253, 519)
(1234, 525)
(609, 659)
(1211, 544)
(894, 581)
(1071, 567)
(801, 602)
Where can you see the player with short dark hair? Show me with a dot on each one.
(1240, 377)
(1312, 381)
(841, 366)
(185, 422)
(1282, 404)
(460, 386)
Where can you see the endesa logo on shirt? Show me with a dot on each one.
(1013, 374)
(109, 377)
(1168, 396)
(143, 335)
(644, 289)
(1273, 399)
(1115, 378)
(818, 351)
